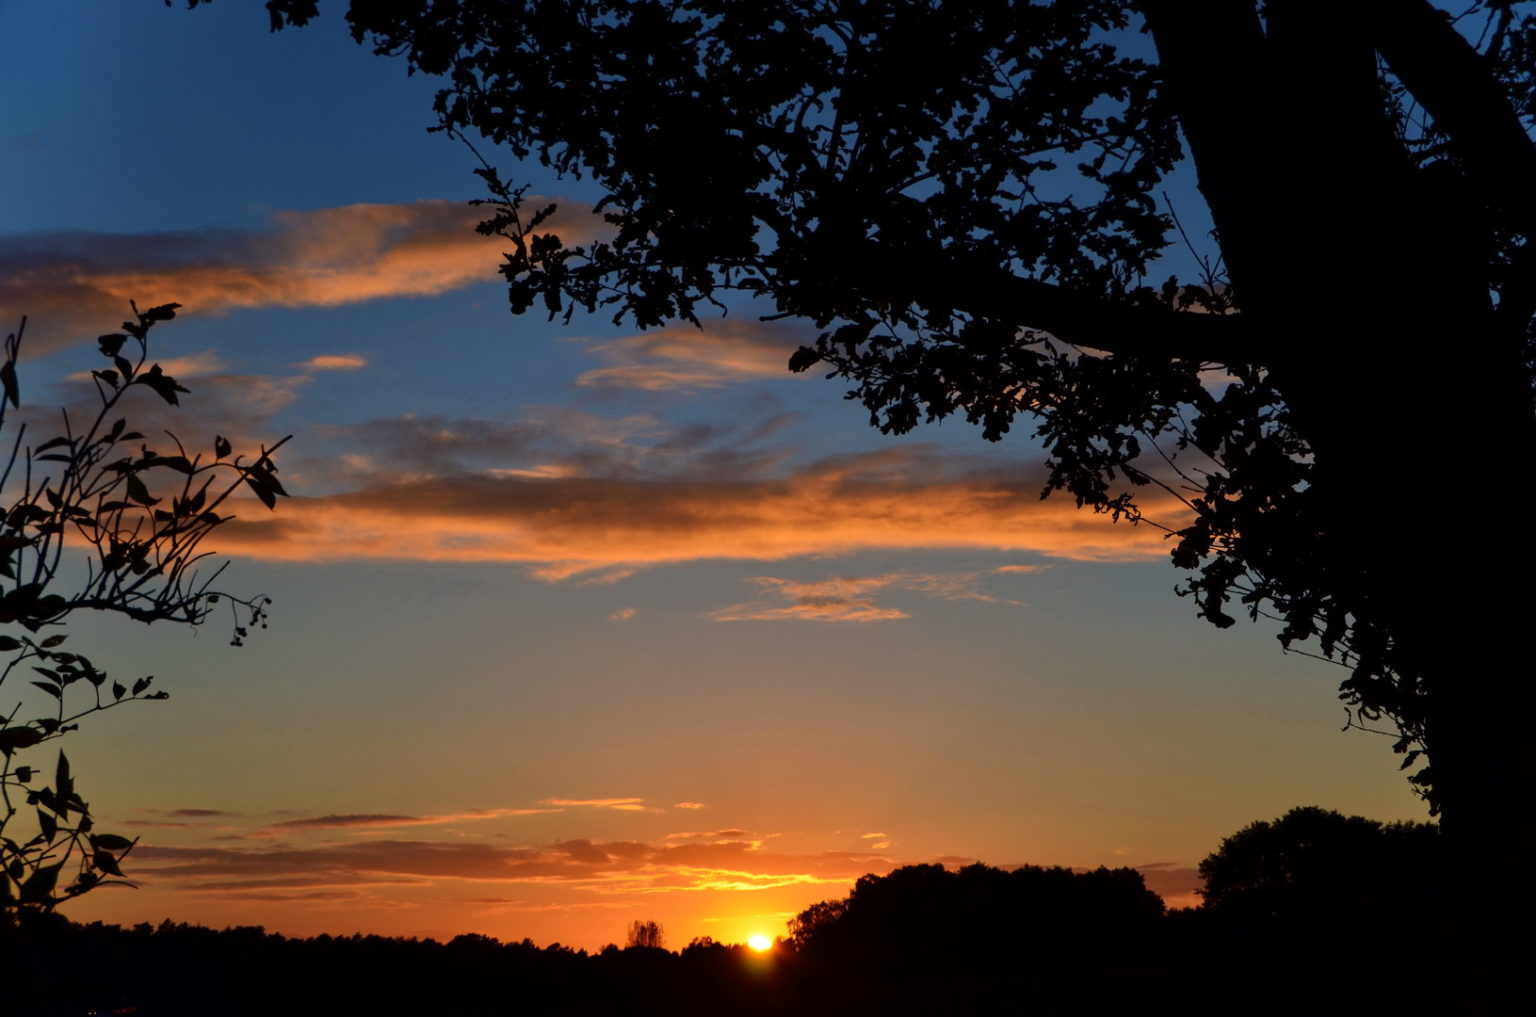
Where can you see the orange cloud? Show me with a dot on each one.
(688, 357)
(582, 526)
(830, 600)
(731, 836)
(334, 362)
(844, 598)
(602, 867)
(70, 284)
(621, 804)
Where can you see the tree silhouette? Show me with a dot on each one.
(1317, 866)
(961, 197)
(141, 516)
(1315, 897)
(924, 939)
(647, 934)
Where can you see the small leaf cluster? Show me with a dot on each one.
(66, 856)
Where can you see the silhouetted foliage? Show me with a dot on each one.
(1319, 867)
(645, 934)
(961, 197)
(977, 940)
(140, 516)
(1304, 904)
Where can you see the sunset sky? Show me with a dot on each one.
(573, 625)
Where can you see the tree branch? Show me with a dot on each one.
(1116, 326)
(1453, 82)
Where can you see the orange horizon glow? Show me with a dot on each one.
(460, 873)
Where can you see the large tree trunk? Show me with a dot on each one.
(1370, 297)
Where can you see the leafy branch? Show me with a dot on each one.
(142, 515)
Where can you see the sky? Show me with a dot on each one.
(572, 625)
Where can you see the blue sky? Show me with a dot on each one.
(572, 625)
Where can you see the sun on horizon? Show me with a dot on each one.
(759, 942)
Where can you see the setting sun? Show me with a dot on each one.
(759, 942)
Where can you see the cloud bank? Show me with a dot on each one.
(564, 526)
(75, 285)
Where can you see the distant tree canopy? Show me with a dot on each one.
(1316, 901)
(925, 939)
(1052, 915)
(1318, 868)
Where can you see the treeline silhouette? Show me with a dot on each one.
(1315, 913)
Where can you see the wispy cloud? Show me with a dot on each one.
(850, 598)
(383, 821)
(831, 600)
(732, 835)
(199, 813)
(342, 822)
(603, 867)
(238, 405)
(71, 283)
(620, 804)
(687, 357)
(180, 819)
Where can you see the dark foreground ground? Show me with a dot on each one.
(185, 970)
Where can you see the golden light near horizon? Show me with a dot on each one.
(760, 942)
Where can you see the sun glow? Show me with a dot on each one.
(759, 942)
